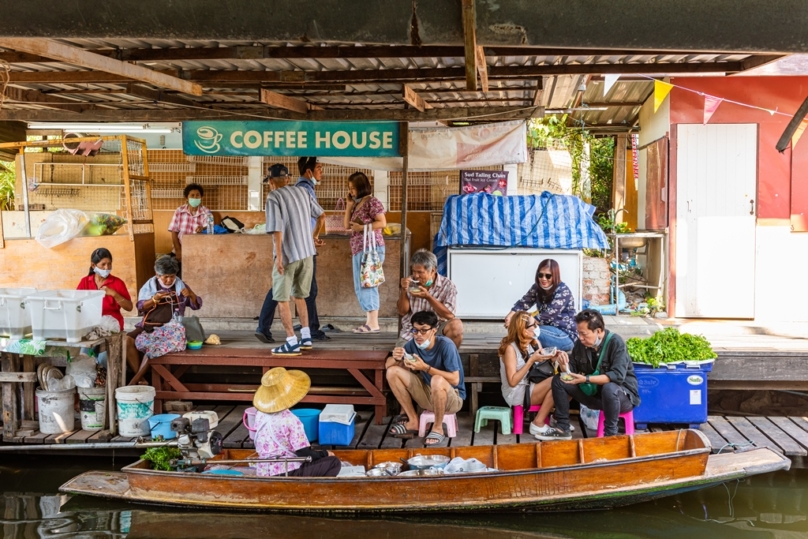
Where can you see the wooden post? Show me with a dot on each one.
(404, 149)
(10, 416)
(127, 186)
(114, 344)
(28, 365)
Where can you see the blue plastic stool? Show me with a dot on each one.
(498, 413)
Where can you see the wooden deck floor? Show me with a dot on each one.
(785, 435)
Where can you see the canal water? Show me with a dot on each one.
(769, 506)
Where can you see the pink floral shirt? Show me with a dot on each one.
(278, 435)
(366, 213)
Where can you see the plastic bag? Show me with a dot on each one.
(590, 417)
(61, 226)
(461, 465)
(103, 224)
(83, 371)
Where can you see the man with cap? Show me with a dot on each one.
(264, 331)
(279, 434)
(310, 174)
(288, 210)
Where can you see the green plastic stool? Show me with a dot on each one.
(498, 413)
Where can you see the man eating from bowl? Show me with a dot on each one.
(426, 370)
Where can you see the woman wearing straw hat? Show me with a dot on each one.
(280, 434)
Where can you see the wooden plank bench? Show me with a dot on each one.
(366, 367)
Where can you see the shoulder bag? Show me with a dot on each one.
(334, 221)
(161, 313)
(540, 371)
(371, 273)
(588, 387)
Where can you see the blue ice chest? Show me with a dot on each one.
(333, 433)
(672, 394)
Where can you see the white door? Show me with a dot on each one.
(715, 220)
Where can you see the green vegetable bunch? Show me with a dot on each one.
(160, 457)
(669, 346)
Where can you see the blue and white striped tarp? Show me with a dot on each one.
(547, 221)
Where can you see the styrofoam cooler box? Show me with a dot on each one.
(14, 320)
(64, 314)
(337, 425)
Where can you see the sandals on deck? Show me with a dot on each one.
(364, 328)
(437, 439)
(399, 430)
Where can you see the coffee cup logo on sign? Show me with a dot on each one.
(209, 139)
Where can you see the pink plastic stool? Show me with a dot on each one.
(428, 417)
(628, 417)
(519, 417)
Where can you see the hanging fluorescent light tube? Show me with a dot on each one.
(100, 128)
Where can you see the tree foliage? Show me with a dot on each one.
(7, 180)
(545, 132)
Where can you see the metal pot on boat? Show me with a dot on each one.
(390, 468)
(426, 472)
(425, 462)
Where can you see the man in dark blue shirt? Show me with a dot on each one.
(426, 370)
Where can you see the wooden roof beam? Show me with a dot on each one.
(89, 60)
(174, 115)
(470, 43)
(482, 69)
(274, 99)
(415, 100)
(760, 60)
(35, 97)
(158, 96)
(213, 77)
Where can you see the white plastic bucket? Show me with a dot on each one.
(56, 413)
(249, 421)
(135, 407)
(92, 404)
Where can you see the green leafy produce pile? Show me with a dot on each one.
(669, 346)
(160, 456)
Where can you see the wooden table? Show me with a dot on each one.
(366, 367)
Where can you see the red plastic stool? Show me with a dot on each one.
(628, 417)
(519, 417)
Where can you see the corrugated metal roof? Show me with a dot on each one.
(560, 91)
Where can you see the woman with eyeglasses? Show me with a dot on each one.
(555, 305)
(518, 352)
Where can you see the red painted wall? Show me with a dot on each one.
(776, 182)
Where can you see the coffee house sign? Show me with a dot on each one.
(326, 139)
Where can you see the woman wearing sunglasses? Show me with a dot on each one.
(555, 305)
(518, 352)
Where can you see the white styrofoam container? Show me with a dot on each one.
(14, 320)
(338, 413)
(64, 314)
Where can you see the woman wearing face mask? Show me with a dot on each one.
(190, 218)
(101, 278)
(165, 285)
(364, 209)
(556, 307)
(518, 352)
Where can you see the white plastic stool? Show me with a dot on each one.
(428, 417)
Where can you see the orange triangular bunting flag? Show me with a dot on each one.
(710, 106)
(798, 133)
(661, 91)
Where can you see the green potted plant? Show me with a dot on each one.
(671, 369)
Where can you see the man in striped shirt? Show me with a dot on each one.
(288, 213)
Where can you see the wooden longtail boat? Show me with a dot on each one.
(594, 473)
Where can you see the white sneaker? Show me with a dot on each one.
(534, 430)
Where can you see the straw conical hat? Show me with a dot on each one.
(281, 389)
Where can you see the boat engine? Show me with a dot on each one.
(195, 439)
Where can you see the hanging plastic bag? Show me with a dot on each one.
(103, 224)
(61, 226)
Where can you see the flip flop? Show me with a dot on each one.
(440, 440)
(399, 430)
(364, 328)
(400, 418)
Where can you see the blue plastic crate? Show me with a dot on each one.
(337, 433)
(672, 395)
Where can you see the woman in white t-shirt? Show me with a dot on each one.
(518, 352)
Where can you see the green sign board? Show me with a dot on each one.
(326, 139)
